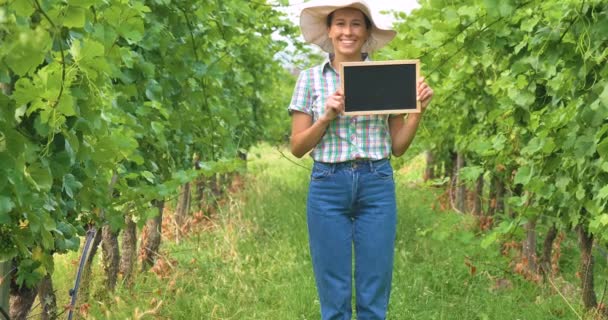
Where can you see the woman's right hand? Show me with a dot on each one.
(333, 106)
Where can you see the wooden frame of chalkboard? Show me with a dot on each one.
(380, 87)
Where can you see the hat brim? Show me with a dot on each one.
(313, 24)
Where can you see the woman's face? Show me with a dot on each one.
(348, 31)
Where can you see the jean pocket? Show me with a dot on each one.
(384, 170)
(320, 171)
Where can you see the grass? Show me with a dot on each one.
(252, 262)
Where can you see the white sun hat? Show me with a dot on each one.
(313, 23)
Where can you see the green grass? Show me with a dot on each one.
(252, 262)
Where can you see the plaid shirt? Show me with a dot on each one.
(347, 137)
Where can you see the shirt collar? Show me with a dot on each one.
(327, 62)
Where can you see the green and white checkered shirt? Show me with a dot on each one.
(347, 137)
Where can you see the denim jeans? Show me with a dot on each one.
(352, 204)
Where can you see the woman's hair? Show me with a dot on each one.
(330, 18)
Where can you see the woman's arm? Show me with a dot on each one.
(403, 131)
(305, 134)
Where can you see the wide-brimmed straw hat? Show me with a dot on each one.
(313, 23)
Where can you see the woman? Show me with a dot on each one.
(351, 199)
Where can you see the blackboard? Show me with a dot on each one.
(380, 87)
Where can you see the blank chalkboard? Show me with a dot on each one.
(380, 87)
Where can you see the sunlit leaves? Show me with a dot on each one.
(74, 17)
(27, 49)
(22, 8)
(126, 87)
(519, 86)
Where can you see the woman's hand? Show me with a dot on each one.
(333, 106)
(425, 93)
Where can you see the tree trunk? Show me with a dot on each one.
(21, 300)
(111, 257)
(6, 88)
(201, 185)
(129, 250)
(183, 209)
(460, 187)
(529, 246)
(5, 282)
(46, 295)
(150, 242)
(429, 171)
(201, 202)
(497, 195)
(586, 267)
(450, 164)
(545, 259)
(218, 181)
(492, 196)
(478, 197)
(500, 196)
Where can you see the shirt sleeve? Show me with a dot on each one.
(302, 97)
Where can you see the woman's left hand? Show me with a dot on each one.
(425, 93)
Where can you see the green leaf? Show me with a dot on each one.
(471, 173)
(30, 48)
(74, 17)
(603, 193)
(49, 223)
(25, 91)
(6, 206)
(71, 244)
(82, 3)
(148, 175)
(533, 146)
(70, 185)
(549, 145)
(523, 176)
(602, 149)
(48, 242)
(580, 192)
(562, 182)
(498, 142)
(585, 146)
(22, 8)
(500, 8)
(66, 105)
(489, 240)
(529, 24)
(86, 49)
(40, 176)
(604, 95)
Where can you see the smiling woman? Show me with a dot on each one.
(351, 197)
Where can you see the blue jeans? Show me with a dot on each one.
(352, 203)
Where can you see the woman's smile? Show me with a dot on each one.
(348, 32)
